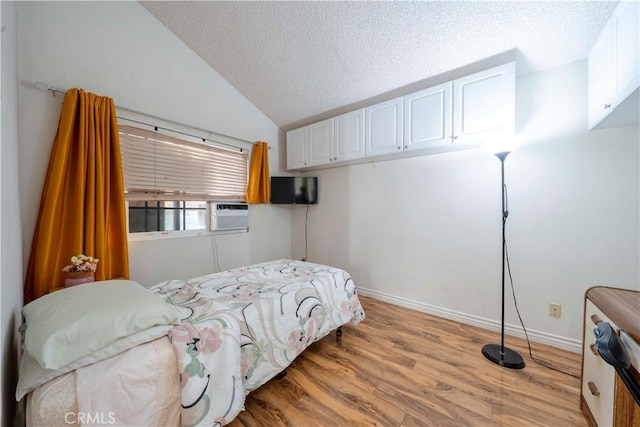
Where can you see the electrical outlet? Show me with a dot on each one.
(555, 310)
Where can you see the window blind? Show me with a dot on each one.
(163, 167)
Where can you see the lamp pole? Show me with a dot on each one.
(502, 355)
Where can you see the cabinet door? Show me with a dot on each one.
(600, 70)
(349, 136)
(297, 141)
(484, 104)
(626, 42)
(427, 117)
(383, 122)
(321, 142)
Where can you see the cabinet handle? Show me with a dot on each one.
(455, 137)
(406, 146)
(596, 319)
(594, 349)
(593, 388)
(607, 106)
(399, 147)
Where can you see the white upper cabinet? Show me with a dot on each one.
(384, 127)
(349, 136)
(599, 63)
(626, 39)
(297, 143)
(614, 69)
(427, 117)
(460, 113)
(321, 142)
(484, 104)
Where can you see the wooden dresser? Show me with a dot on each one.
(604, 399)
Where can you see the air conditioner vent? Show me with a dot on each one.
(229, 216)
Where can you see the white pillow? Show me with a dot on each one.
(32, 375)
(72, 323)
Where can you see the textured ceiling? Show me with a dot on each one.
(300, 60)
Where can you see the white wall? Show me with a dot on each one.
(425, 232)
(119, 49)
(10, 237)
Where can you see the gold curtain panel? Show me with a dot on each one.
(82, 208)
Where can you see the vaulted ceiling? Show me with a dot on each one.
(300, 60)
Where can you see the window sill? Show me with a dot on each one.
(162, 235)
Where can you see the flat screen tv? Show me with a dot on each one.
(301, 190)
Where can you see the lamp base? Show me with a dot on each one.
(508, 359)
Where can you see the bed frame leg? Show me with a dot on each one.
(339, 331)
(281, 375)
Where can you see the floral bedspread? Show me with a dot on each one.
(243, 326)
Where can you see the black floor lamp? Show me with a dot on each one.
(499, 354)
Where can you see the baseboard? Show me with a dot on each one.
(557, 341)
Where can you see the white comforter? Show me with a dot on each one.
(242, 327)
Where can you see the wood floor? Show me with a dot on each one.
(404, 368)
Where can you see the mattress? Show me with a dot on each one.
(101, 393)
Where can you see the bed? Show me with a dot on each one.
(226, 334)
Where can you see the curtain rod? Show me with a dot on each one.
(45, 87)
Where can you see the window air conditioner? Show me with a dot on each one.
(229, 216)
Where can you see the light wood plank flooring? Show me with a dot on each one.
(405, 368)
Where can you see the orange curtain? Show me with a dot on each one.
(82, 207)
(259, 187)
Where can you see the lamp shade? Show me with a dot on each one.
(502, 143)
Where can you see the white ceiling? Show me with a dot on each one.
(301, 60)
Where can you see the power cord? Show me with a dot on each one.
(515, 302)
(306, 223)
(214, 247)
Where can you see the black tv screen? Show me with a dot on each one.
(302, 190)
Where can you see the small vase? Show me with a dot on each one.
(78, 278)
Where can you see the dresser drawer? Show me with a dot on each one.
(598, 377)
(598, 381)
(593, 315)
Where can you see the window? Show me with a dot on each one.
(150, 215)
(169, 181)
